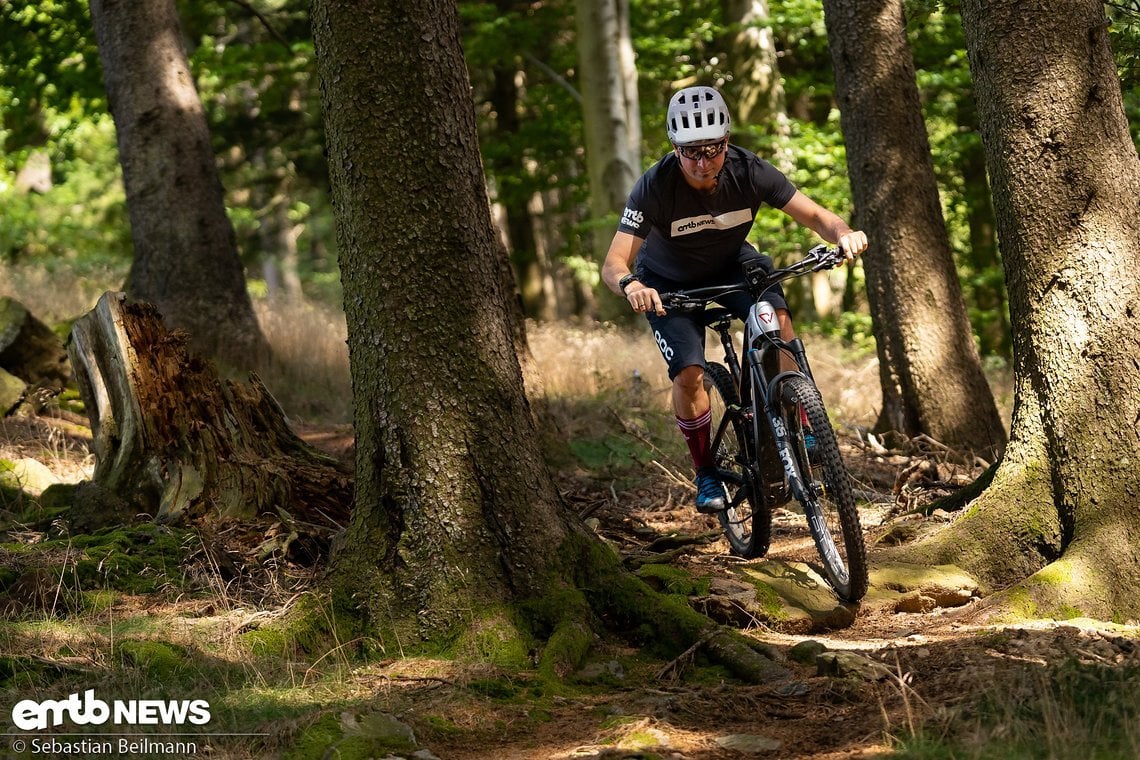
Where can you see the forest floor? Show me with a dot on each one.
(928, 680)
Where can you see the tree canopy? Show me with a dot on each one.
(255, 72)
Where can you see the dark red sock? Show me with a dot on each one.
(697, 433)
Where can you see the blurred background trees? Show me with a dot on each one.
(64, 207)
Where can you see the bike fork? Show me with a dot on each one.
(779, 431)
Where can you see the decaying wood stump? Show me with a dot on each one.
(178, 442)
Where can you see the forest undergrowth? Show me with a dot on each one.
(143, 611)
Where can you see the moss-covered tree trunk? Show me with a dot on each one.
(454, 508)
(931, 374)
(457, 524)
(1066, 181)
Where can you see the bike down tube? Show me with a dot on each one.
(779, 432)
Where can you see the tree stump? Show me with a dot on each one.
(176, 441)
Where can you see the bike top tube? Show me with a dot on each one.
(757, 283)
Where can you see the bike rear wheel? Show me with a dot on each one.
(746, 521)
(826, 497)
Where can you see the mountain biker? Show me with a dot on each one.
(685, 225)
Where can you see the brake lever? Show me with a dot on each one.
(826, 258)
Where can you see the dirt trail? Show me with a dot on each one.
(913, 664)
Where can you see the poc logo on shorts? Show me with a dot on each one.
(666, 349)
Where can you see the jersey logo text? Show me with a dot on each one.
(632, 218)
(724, 221)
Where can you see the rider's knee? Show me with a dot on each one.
(690, 378)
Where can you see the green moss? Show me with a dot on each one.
(161, 660)
(708, 675)
(1067, 612)
(674, 580)
(136, 560)
(497, 636)
(98, 601)
(315, 624)
(1054, 574)
(266, 642)
(57, 498)
(331, 737)
(769, 601)
(439, 725)
(496, 688)
(1021, 604)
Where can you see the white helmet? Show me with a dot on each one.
(695, 115)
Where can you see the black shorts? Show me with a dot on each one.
(681, 337)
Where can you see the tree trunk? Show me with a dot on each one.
(1066, 183)
(609, 112)
(174, 441)
(929, 366)
(456, 521)
(185, 258)
(532, 271)
(758, 91)
(453, 499)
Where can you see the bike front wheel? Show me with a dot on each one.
(746, 521)
(826, 494)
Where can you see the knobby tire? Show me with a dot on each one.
(828, 499)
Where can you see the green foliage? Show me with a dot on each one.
(48, 63)
(1124, 33)
(256, 75)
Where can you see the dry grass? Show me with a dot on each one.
(580, 361)
(310, 372)
(57, 295)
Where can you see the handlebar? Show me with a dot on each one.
(757, 281)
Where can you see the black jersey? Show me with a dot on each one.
(693, 237)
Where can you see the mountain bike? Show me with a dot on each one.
(772, 440)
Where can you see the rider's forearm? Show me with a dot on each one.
(830, 226)
(619, 260)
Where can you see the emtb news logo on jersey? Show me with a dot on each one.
(632, 218)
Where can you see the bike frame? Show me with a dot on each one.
(771, 461)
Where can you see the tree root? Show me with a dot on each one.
(664, 624)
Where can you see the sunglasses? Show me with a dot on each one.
(697, 152)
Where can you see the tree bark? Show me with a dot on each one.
(457, 524)
(175, 441)
(1066, 183)
(453, 501)
(929, 366)
(185, 255)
